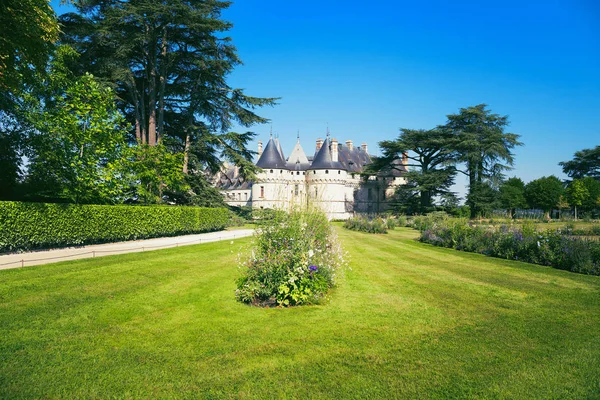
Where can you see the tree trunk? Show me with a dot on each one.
(161, 90)
(152, 107)
(186, 152)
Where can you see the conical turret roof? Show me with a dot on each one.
(324, 160)
(271, 157)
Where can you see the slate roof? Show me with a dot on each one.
(271, 157)
(297, 161)
(323, 159)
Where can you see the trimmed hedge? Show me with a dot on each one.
(26, 226)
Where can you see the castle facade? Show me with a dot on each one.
(330, 179)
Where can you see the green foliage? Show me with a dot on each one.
(26, 226)
(156, 171)
(369, 225)
(585, 162)
(76, 137)
(552, 248)
(485, 149)
(544, 193)
(294, 260)
(512, 195)
(429, 158)
(169, 63)
(28, 30)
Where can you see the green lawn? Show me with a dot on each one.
(407, 321)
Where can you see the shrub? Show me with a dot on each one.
(294, 261)
(26, 226)
(369, 225)
(524, 243)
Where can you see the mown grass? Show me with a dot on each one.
(408, 320)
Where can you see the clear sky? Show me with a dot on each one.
(367, 69)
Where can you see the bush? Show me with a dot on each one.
(294, 261)
(26, 226)
(369, 225)
(548, 247)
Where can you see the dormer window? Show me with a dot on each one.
(271, 171)
(326, 171)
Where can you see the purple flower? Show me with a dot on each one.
(312, 268)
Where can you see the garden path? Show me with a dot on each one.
(18, 260)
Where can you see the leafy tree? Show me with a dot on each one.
(28, 30)
(76, 137)
(484, 148)
(169, 62)
(544, 193)
(577, 193)
(592, 201)
(585, 162)
(427, 154)
(157, 173)
(484, 196)
(512, 195)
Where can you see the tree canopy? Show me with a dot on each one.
(544, 193)
(585, 162)
(484, 147)
(429, 160)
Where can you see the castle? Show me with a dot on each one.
(330, 179)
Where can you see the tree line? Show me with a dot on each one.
(120, 101)
(473, 142)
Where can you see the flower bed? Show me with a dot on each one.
(369, 225)
(295, 258)
(522, 243)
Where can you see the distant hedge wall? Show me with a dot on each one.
(25, 226)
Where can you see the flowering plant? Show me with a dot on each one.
(294, 260)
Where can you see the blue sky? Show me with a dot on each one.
(367, 69)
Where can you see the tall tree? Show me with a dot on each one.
(430, 159)
(169, 62)
(585, 162)
(577, 193)
(28, 30)
(512, 195)
(484, 148)
(76, 135)
(544, 193)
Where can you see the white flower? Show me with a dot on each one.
(311, 253)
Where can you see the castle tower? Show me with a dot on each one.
(271, 187)
(326, 180)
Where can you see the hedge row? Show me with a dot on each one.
(26, 226)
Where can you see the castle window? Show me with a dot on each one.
(271, 171)
(296, 190)
(281, 171)
(297, 172)
(316, 192)
(262, 191)
(314, 172)
(339, 172)
(303, 173)
(369, 194)
(326, 171)
(246, 196)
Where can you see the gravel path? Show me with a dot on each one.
(97, 250)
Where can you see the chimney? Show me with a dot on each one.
(364, 147)
(334, 150)
(259, 148)
(405, 159)
(319, 143)
(349, 145)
